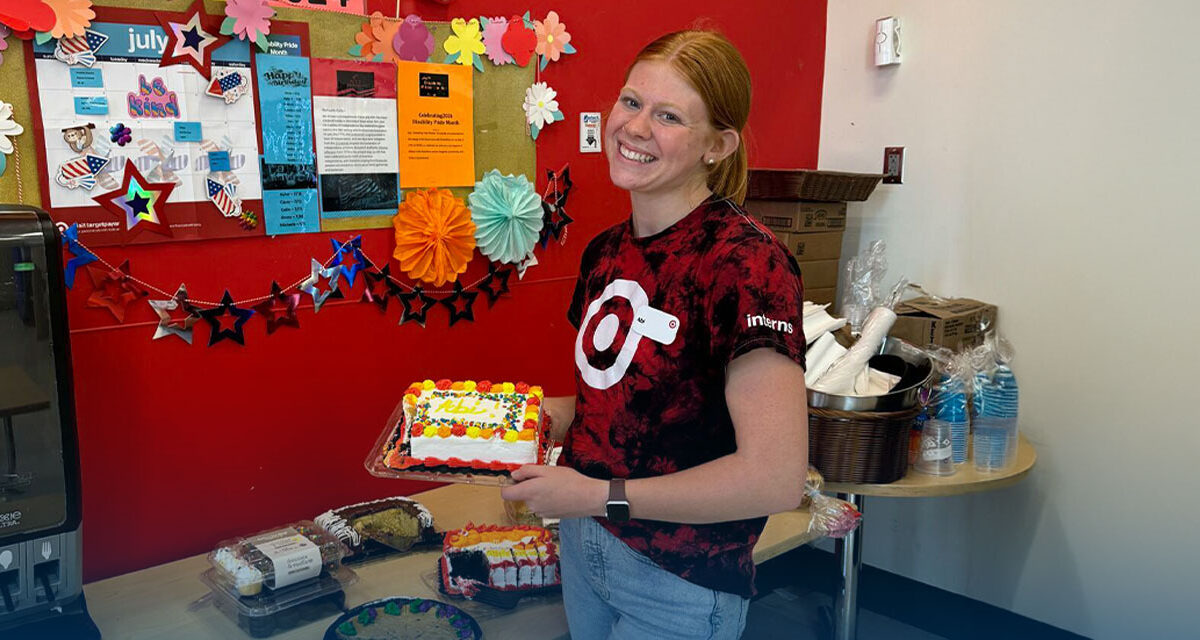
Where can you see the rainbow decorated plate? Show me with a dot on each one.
(404, 618)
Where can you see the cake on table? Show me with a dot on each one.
(397, 522)
(468, 425)
(476, 559)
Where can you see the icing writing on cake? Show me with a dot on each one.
(478, 409)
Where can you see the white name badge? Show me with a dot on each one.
(659, 326)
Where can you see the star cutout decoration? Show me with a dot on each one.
(279, 317)
(139, 202)
(555, 218)
(380, 287)
(407, 299)
(354, 248)
(79, 255)
(114, 290)
(192, 41)
(226, 321)
(460, 304)
(489, 284)
(310, 283)
(178, 327)
(529, 261)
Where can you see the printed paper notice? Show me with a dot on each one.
(288, 177)
(294, 558)
(437, 129)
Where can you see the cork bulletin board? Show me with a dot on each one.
(501, 141)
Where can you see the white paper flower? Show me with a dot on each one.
(8, 128)
(540, 104)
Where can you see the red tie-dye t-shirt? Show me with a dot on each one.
(659, 319)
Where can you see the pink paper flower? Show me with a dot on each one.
(413, 41)
(251, 20)
(493, 33)
(4, 33)
(552, 36)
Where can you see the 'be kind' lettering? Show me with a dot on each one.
(152, 100)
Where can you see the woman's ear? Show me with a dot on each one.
(725, 145)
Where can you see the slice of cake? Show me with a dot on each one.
(397, 522)
(509, 559)
(467, 424)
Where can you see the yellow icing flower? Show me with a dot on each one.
(469, 385)
(508, 387)
(531, 415)
(430, 431)
(473, 432)
(510, 436)
(429, 385)
(410, 399)
(466, 41)
(535, 391)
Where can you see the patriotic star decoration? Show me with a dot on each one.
(495, 283)
(310, 284)
(353, 247)
(226, 321)
(79, 255)
(380, 288)
(283, 315)
(171, 326)
(555, 218)
(407, 314)
(139, 202)
(114, 290)
(192, 41)
(460, 304)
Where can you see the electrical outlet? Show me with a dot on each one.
(893, 165)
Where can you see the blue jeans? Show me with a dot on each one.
(613, 592)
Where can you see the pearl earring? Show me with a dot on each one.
(711, 161)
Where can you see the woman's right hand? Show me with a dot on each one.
(562, 412)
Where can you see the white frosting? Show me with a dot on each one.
(493, 449)
(244, 576)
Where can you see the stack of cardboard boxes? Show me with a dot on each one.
(807, 211)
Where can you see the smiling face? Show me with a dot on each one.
(658, 135)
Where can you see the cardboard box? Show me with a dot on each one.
(955, 323)
(820, 296)
(820, 274)
(799, 217)
(813, 246)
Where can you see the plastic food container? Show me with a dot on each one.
(278, 610)
(292, 554)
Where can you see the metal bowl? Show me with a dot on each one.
(895, 400)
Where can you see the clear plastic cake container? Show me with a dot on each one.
(276, 610)
(376, 465)
(276, 558)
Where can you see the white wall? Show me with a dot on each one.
(1052, 167)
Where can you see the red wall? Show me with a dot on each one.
(185, 445)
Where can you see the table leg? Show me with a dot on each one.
(849, 551)
(10, 440)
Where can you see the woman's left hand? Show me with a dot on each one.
(557, 492)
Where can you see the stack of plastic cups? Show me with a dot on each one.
(995, 423)
(952, 408)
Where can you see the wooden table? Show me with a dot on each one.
(165, 602)
(914, 485)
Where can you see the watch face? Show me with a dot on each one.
(617, 511)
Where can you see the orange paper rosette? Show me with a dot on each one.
(71, 17)
(376, 37)
(435, 237)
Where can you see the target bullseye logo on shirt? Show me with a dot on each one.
(648, 322)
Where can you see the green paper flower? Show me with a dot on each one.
(508, 217)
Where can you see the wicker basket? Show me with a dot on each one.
(860, 446)
(803, 184)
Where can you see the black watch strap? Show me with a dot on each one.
(617, 507)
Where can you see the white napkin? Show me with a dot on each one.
(820, 323)
(873, 382)
(812, 307)
(824, 352)
(840, 377)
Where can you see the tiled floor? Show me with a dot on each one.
(795, 612)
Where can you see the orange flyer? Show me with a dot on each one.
(436, 121)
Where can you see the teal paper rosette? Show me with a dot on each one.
(508, 216)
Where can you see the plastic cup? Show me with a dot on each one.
(994, 443)
(937, 453)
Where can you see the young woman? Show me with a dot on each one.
(689, 425)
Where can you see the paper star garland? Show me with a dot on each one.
(178, 327)
(228, 328)
(80, 256)
(114, 291)
(309, 285)
(460, 304)
(353, 247)
(554, 204)
(274, 316)
(192, 41)
(380, 287)
(407, 299)
(487, 285)
(139, 202)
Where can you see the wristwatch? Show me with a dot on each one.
(617, 507)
